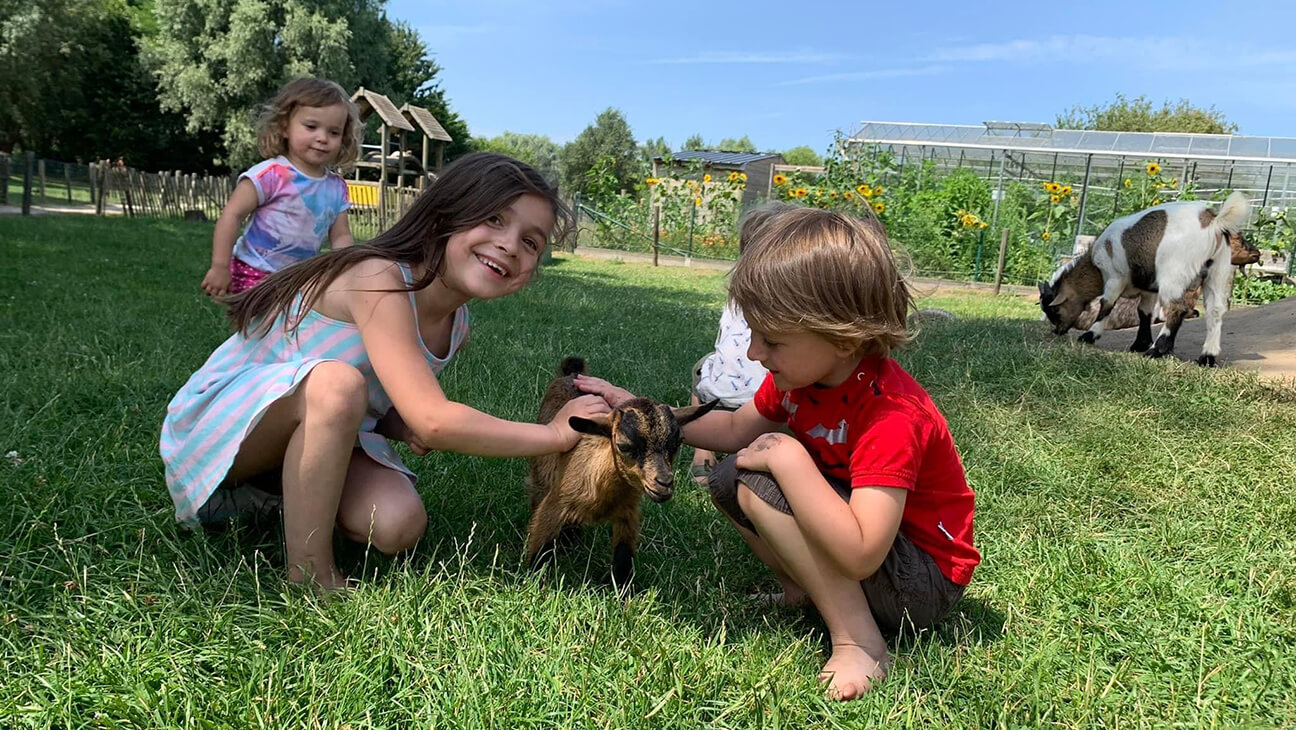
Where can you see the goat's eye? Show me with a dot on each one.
(625, 448)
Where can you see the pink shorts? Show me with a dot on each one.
(244, 277)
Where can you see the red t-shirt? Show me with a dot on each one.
(881, 429)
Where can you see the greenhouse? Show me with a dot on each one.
(1102, 167)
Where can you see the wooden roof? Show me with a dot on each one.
(371, 101)
(428, 123)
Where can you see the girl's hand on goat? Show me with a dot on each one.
(762, 454)
(393, 427)
(586, 406)
(598, 386)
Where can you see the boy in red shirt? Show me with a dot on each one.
(864, 510)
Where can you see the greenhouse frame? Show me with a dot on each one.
(1092, 161)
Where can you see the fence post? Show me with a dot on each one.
(692, 217)
(656, 230)
(67, 181)
(1003, 255)
(40, 169)
(27, 182)
(4, 179)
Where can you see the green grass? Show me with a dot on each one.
(56, 191)
(1135, 518)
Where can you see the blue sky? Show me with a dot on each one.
(791, 73)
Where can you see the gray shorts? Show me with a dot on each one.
(908, 589)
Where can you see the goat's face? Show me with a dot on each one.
(1241, 252)
(1061, 305)
(645, 437)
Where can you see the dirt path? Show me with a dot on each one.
(1253, 338)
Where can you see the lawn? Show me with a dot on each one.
(1135, 519)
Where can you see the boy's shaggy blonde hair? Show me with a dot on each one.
(810, 270)
(309, 91)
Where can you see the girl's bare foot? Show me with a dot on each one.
(852, 669)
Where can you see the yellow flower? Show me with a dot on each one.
(983, 224)
(1174, 182)
(1054, 199)
(848, 195)
(832, 195)
(1053, 188)
(733, 177)
(742, 175)
(1046, 186)
(691, 183)
(1045, 236)
(706, 178)
(652, 181)
(877, 190)
(1128, 182)
(800, 192)
(1158, 186)
(967, 220)
(1066, 190)
(879, 207)
(864, 190)
(780, 179)
(1153, 168)
(697, 201)
(1156, 202)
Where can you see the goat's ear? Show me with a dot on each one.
(692, 413)
(1061, 297)
(596, 426)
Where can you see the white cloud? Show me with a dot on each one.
(1148, 52)
(750, 58)
(883, 73)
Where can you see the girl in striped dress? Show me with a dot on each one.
(336, 354)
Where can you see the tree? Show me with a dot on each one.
(1138, 115)
(608, 137)
(650, 149)
(217, 62)
(742, 144)
(536, 150)
(694, 142)
(802, 156)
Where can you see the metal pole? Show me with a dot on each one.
(998, 196)
(1003, 256)
(1084, 197)
(692, 218)
(656, 230)
(1265, 201)
(1120, 183)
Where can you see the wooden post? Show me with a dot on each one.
(1003, 255)
(104, 168)
(40, 167)
(67, 182)
(94, 170)
(656, 230)
(27, 182)
(382, 181)
(440, 153)
(423, 177)
(4, 179)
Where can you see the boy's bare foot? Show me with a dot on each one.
(703, 462)
(852, 669)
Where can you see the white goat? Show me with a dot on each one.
(1158, 253)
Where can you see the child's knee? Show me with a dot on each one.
(336, 390)
(398, 526)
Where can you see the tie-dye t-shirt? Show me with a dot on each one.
(294, 214)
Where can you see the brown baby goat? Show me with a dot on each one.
(630, 451)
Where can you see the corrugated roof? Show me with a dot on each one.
(371, 101)
(717, 157)
(428, 123)
(1042, 138)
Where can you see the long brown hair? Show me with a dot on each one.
(313, 92)
(470, 191)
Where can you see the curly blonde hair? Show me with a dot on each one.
(313, 92)
(817, 271)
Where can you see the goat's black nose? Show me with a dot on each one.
(666, 482)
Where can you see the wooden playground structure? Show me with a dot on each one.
(381, 200)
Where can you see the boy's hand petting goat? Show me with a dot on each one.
(1159, 254)
(621, 456)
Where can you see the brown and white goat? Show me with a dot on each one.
(621, 456)
(1159, 253)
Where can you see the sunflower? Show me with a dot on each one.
(1174, 182)
(733, 177)
(877, 190)
(1055, 199)
(691, 183)
(1052, 187)
(800, 193)
(1156, 201)
(652, 181)
(1045, 236)
(864, 190)
(742, 176)
(780, 179)
(832, 195)
(983, 224)
(706, 178)
(879, 207)
(848, 195)
(1066, 190)
(1128, 182)
(697, 201)
(1152, 168)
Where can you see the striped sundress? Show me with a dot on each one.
(224, 400)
